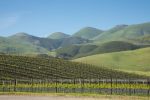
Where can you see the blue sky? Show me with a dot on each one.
(43, 17)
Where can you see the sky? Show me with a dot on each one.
(43, 17)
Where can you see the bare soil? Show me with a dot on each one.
(24, 97)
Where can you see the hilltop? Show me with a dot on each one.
(88, 32)
(132, 33)
(87, 41)
(58, 35)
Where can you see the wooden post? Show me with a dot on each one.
(74, 85)
(9, 85)
(111, 85)
(83, 85)
(3, 85)
(148, 85)
(129, 86)
(32, 85)
(116, 86)
(15, 83)
(56, 80)
(99, 83)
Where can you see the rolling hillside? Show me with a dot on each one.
(88, 32)
(69, 52)
(85, 42)
(136, 60)
(14, 47)
(110, 31)
(23, 43)
(46, 43)
(20, 67)
(75, 51)
(132, 33)
(72, 41)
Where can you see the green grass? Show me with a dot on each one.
(78, 85)
(145, 73)
(136, 60)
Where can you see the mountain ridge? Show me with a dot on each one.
(130, 32)
(58, 35)
(138, 34)
(88, 32)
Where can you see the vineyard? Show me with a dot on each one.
(21, 67)
(101, 86)
(35, 74)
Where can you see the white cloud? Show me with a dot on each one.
(7, 22)
(10, 19)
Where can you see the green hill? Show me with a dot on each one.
(21, 67)
(75, 51)
(46, 43)
(128, 33)
(87, 41)
(17, 47)
(71, 51)
(23, 43)
(73, 40)
(110, 31)
(88, 33)
(142, 40)
(58, 35)
(49, 44)
(136, 60)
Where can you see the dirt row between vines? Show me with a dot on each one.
(25, 97)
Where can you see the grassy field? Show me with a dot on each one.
(145, 73)
(78, 85)
(136, 60)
